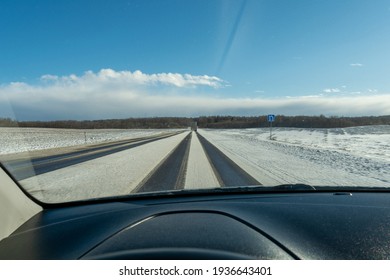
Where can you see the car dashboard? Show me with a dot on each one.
(272, 225)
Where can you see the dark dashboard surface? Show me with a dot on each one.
(312, 225)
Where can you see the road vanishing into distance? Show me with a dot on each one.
(193, 162)
(171, 172)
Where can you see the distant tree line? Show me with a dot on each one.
(7, 122)
(290, 121)
(205, 122)
(130, 123)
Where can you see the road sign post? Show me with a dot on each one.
(271, 119)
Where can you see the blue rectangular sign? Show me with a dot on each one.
(271, 118)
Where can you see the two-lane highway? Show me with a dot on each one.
(171, 161)
(171, 172)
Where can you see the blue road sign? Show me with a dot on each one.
(271, 118)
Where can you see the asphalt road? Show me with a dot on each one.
(168, 174)
(228, 173)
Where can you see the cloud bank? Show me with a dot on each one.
(128, 78)
(123, 94)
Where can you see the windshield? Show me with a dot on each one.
(113, 98)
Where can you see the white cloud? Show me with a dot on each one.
(356, 65)
(331, 90)
(112, 94)
(128, 78)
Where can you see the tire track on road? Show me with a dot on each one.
(228, 173)
(170, 173)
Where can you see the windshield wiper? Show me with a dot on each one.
(231, 190)
(295, 187)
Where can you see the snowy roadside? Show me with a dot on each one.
(18, 140)
(302, 156)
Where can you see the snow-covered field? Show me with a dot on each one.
(357, 156)
(16, 140)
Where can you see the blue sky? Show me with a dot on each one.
(107, 59)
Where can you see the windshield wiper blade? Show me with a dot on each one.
(255, 188)
(237, 189)
(295, 187)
